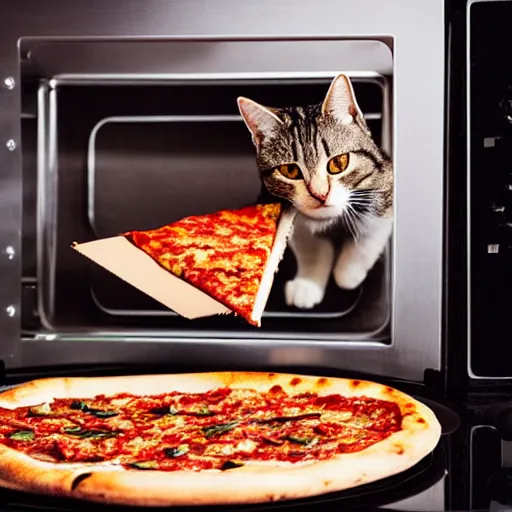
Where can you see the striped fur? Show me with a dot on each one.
(360, 197)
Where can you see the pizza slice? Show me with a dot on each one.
(230, 255)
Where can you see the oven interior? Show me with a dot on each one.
(112, 144)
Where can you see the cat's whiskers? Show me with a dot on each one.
(357, 215)
(364, 201)
(368, 191)
(352, 222)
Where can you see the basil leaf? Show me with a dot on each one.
(221, 428)
(176, 452)
(22, 435)
(72, 430)
(231, 464)
(93, 433)
(76, 431)
(283, 419)
(82, 406)
(144, 464)
(299, 440)
(79, 406)
(103, 414)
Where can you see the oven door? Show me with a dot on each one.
(115, 113)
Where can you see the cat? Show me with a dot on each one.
(322, 159)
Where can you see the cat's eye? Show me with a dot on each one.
(338, 164)
(290, 171)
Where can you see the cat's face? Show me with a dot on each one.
(321, 158)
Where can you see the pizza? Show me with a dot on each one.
(224, 254)
(208, 438)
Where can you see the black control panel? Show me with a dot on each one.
(490, 189)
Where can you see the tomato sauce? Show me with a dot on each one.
(219, 429)
(223, 254)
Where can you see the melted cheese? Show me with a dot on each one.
(223, 254)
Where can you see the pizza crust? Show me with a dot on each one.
(249, 484)
(283, 233)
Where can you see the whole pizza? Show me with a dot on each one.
(208, 438)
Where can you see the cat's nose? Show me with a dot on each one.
(319, 197)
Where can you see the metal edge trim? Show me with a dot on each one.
(210, 338)
(271, 314)
(471, 434)
(165, 78)
(46, 118)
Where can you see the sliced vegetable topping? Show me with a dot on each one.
(92, 433)
(82, 406)
(221, 428)
(22, 435)
(176, 452)
(284, 419)
(300, 440)
(144, 464)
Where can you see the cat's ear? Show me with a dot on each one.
(340, 101)
(260, 120)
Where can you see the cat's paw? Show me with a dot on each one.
(349, 274)
(303, 293)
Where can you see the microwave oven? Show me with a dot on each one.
(123, 115)
(113, 122)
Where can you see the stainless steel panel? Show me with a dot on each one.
(10, 200)
(430, 500)
(193, 58)
(418, 32)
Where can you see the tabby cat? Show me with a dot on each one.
(323, 159)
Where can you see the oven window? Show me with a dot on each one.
(106, 153)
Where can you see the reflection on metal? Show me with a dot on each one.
(471, 454)
(10, 252)
(9, 83)
(430, 500)
(506, 454)
(212, 78)
(47, 178)
(10, 144)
